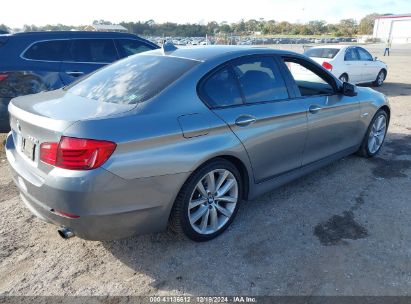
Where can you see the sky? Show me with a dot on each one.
(16, 13)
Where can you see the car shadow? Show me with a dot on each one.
(392, 89)
(270, 248)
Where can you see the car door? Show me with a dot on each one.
(370, 69)
(333, 119)
(353, 65)
(250, 95)
(86, 56)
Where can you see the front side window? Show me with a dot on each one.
(128, 47)
(309, 80)
(260, 80)
(53, 50)
(364, 55)
(132, 80)
(93, 50)
(221, 89)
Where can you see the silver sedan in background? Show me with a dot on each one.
(179, 136)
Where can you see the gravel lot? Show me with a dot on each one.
(343, 230)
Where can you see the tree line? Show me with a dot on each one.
(345, 28)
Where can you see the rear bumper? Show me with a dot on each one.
(4, 115)
(108, 206)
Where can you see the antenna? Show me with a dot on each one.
(168, 47)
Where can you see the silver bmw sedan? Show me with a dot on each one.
(177, 137)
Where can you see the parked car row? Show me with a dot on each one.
(43, 61)
(179, 41)
(241, 40)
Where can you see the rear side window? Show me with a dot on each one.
(221, 89)
(328, 53)
(132, 80)
(260, 80)
(54, 50)
(93, 50)
(351, 55)
(128, 47)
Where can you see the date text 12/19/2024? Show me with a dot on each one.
(199, 299)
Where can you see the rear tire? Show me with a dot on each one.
(380, 79)
(375, 135)
(208, 201)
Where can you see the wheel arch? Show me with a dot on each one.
(385, 72)
(175, 210)
(238, 163)
(245, 176)
(387, 110)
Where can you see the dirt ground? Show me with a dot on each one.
(343, 230)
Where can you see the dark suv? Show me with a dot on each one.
(40, 61)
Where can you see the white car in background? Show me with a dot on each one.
(349, 63)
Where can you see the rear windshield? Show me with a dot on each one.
(322, 52)
(132, 80)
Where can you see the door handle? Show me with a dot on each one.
(245, 120)
(75, 73)
(314, 109)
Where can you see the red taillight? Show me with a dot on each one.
(48, 152)
(76, 153)
(327, 65)
(3, 76)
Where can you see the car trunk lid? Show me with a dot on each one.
(43, 117)
(65, 107)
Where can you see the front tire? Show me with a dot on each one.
(208, 201)
(375, 136)
(380, 79)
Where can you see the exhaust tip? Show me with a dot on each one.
(65, 233)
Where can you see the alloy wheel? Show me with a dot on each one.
(213, 201)
(377, 134)
(380, 78)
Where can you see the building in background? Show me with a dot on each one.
(106, 28)
(397, 28)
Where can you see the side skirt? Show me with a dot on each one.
(279, 180)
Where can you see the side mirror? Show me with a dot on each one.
(349, 89)
(375, 58)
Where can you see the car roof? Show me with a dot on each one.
(70, 34)
(208, 52)
(332, 46)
